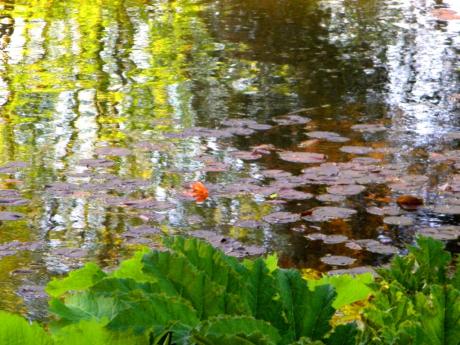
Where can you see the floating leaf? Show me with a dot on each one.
(302, 157)
(198, 191)
(409, 202)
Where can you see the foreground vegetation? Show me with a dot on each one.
(192, 293)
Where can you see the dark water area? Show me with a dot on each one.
(110, 109)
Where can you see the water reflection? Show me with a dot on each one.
(78, 76)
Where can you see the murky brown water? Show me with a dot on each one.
(79, 78)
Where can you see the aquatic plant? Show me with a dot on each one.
(192, 293)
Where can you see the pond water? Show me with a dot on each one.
(110, 109)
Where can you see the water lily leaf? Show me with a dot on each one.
(337, 260)
(357, 150)
(401, 220)
(350, 189)
(281, 218)
(302, 157)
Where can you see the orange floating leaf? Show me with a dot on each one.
(198, 191)
(409, 202)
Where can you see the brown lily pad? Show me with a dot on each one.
(96, 163)
(281, 218)
(384, 211)
(369, 128)
(302, 157)
(330, 198)
(357, 150)
(350, 189)
(326, 213)
(292, 194)
(446, 232)
(337, 260)
(409, 202)
(398, 220)
(113, 151)
(447, 209)
(384, 249)
(246, 155)
(329, 136)
(327, 239)
(10, 215)
(287, 120)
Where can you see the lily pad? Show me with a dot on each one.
(369, 128)
(384, 211)
(337, 260)
(326, 213)
(302, 157)
(11, 215)
(248, 224)
(447, 209)
(228, 245)
(281, 218)
(287, 120)
(350, 189)
(382, 249)
(357, 150)
(292, 194)
(113, 151)
(329, 136)
(330, 198)
(275, 173)
(96, 163)
(246, 155)
(446, 232)
(398, 220)
(327, 239)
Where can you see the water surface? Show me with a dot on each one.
(79, 78)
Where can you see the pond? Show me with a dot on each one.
(305, 120)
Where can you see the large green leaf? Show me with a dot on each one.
(86, 306)
(235, 330)
(349, 288)
(94, 333)
(343, 335)
(218, 268)
(425, 264)
(158, 310)
(439, 314)
(15, 330)
(307, 312)
(78, 280)
(206, 296)
(262, 294)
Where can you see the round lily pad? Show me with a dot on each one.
(287, 120)
(357, 150)
(384, 211)
(329, 136)
(325, 213)
(246, 155)
(382, 249)
(113, 151)
(330, 198)
(369, 128)
(337, 260)
(350, 189)
(446, 232)
(302, 157)
(11, 215)
(401, 220)
(281, 217)
(447, 209)
(292, 194)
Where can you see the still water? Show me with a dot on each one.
(109, 109)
